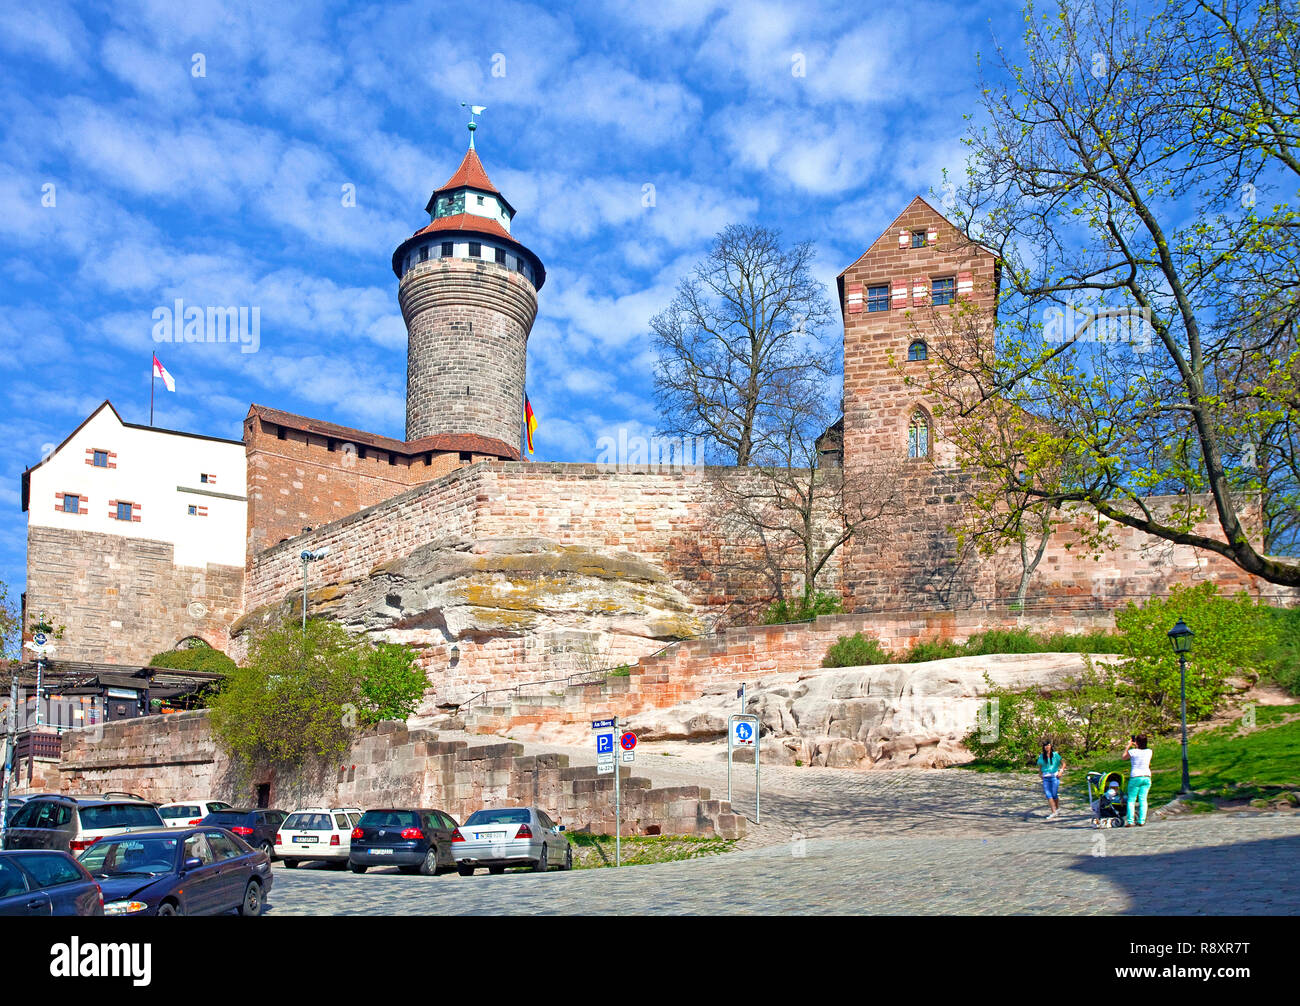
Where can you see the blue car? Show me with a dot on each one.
(190, 871)
(46, 883)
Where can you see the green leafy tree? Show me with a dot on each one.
(1232, 634)
(305, 695)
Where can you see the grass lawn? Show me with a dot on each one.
(1229, 762)
(592, 851)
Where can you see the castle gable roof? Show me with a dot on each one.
(918, 211)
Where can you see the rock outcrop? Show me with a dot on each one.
(886, 716)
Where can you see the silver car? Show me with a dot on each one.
(499, 837)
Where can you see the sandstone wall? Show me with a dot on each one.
(123, 599)
(174, 757)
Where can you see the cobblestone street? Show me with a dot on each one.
(914, 842)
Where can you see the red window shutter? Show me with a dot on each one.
(898, 295)
(965, 284)
(920, 291)
(855, 298)
(905, 238)
(932, 236)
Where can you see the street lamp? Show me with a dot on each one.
(1181, 636)
(307, 557)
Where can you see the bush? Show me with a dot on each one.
(199, 658)
(804, 610)
(303, 695)
(1232, 633)
(934, 649)
(1281, 656)
(856, 650)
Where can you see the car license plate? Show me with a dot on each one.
(381, 852)
(489, 834)
(306, 839)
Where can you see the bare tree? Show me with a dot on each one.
(742, 328)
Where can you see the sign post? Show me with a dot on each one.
(606, 730)
(11, 741)
(743, 731)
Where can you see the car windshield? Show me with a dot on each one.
(178, 813)
(308, 822)
(390, 819)
(512, 816)
(222, 818)
(120, 815)
(119, 857)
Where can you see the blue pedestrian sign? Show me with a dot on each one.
(743, 732)
(604, 743)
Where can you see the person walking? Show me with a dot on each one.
(1139, 778)
(1050, 767)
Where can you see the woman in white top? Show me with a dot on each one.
(1139, 778)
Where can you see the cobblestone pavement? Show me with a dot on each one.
(1223, 864)
(907, 841)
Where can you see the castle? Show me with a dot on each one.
(496, 569)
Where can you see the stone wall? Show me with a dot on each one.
(123, 599)
(175, 757)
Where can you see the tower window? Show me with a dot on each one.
(918, 351)
(123, 511)
(501, 256)
(446, 249)
(100, 459)
(480, 200)
(943, 291)
(918, 239)
(475, 250)
(878, 298)
(424, 253)
(918, 436)
(71, 504)
(519, 265)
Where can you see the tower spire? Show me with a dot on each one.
(473, 111)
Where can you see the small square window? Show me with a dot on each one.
(446, 249)
(101, 459)
(71, 504)
(501, 256)
(124, 511)
(918, 239)
(475, 250)
(203, 478)
(193, 511)
(878, 298)
(480, 200)
(943, 291)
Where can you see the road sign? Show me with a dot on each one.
(743, 732)
(629, 756)
(602, 724)
(39, 639)
(604, 744)
(605, 766)
(628, 741)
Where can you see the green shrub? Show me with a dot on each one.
(856, 650)
(1281, 656)
(1232, 633)
(803, 610)
(204, 659)
(934, 649)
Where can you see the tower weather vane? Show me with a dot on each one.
(473, 111)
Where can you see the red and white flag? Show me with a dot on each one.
(160, 371)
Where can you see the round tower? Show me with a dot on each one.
(468, 294)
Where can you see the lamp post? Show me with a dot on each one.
(1181, 636)
(307, 557)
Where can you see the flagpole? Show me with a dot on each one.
(151, 380)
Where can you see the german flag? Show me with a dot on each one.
(530, 422)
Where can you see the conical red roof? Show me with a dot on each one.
(470, 173)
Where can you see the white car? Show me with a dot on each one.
(317, 833)
(188, 813)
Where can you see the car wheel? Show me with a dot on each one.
(542, 865)
(429, 868)
(269, 849)
(292, 864)
(358, 868)
(568, 857)
(252, 904)
(465, 871)
(496, 869)
(342, 864)
(169, 908)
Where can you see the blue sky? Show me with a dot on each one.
(226, 188)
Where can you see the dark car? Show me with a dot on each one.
(74, 823)
(46, 883)
(256, 827)
(191, 871)
(416, 840)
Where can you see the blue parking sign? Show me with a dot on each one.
(604, 743)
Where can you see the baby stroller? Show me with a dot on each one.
(1106, 794)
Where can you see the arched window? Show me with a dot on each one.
(918, 436)
(917, 350)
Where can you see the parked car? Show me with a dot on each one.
(188, 813)
(317, 833)
(74, 823)
(256, 827)
(119, 795)
(46, 883)
(195, 871)
(416, 840)
(500, 837)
